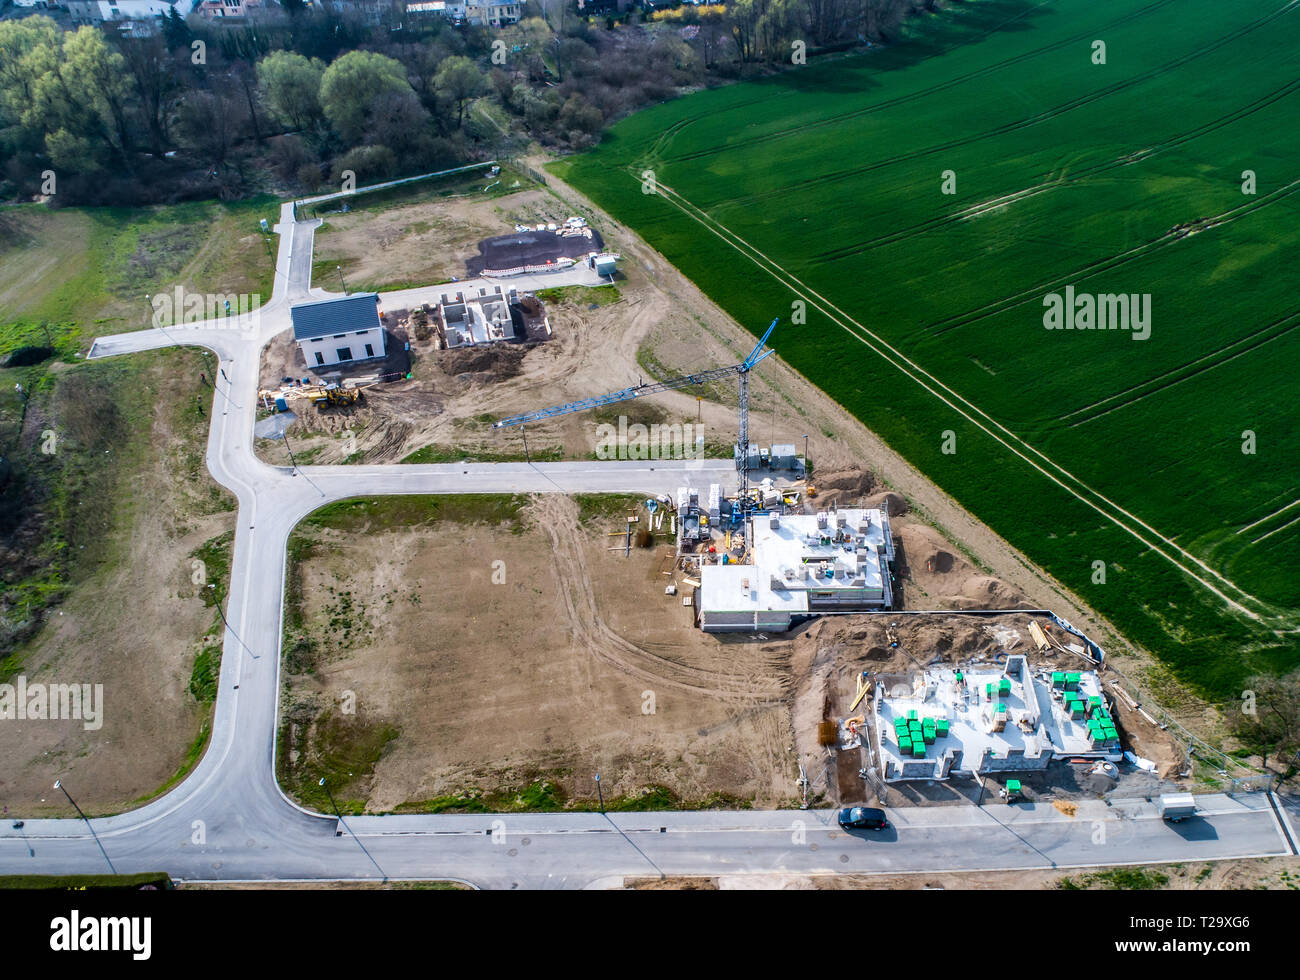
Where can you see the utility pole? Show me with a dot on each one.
(58, 784)
(349, 829)
(292, 462)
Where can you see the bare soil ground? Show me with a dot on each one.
(425, 242)
(571, 667)
(144, 659)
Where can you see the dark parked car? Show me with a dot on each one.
(863, 818)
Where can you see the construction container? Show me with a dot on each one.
(784, 458)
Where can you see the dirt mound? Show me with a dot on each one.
(891, 503)
(849, 483)
(985, 592)
(935, 578)
(484, 362)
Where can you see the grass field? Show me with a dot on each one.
(825, 186)
(68, 275)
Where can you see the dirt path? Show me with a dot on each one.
(559, 516)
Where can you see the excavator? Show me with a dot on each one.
(322, 396)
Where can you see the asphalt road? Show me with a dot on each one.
(229, 820)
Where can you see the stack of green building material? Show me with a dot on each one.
(1072, 681)
(1004, 687)
(918, 750)
(1013, 786)
(927, 731)
(1094, 704)
(904, 745)
(941, 727)
(1058, 678)
(911, 716)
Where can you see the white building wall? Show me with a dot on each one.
(131, 9)
(354, 341)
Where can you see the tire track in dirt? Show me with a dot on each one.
(559, 516)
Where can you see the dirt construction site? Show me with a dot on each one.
(453, 708)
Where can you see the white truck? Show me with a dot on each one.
(1176, 806)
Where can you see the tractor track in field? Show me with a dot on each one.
(1106, 263)
(757, 199)
(1087, 173)
(559, 516)
(1164, 382)
(913, 96)
(1188, 563)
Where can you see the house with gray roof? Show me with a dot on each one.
(340, 330)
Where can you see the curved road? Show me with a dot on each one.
(229, 820)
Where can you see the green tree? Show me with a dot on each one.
(352, 83)
(291, 86)
(86, 93)
(460, 80)
(29, 49)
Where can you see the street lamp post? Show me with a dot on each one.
(339, 270)
(58, 784)
(600, 794)
(805, 455)
(349, 829)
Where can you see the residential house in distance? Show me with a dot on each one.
(452, 10)
(227, 9)
(336, 331)
(101, 11)
(489, 13)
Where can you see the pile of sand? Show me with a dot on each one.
(891, 503)
(483, 363)
(935, 578)
(843, 487)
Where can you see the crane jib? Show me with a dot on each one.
(640, 391)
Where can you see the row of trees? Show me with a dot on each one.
(294, 99)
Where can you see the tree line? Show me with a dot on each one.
(290, 101)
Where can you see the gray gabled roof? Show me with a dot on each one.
(325, 317)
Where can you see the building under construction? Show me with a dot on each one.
(489, 316)
(979, 720)
(777, 569)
